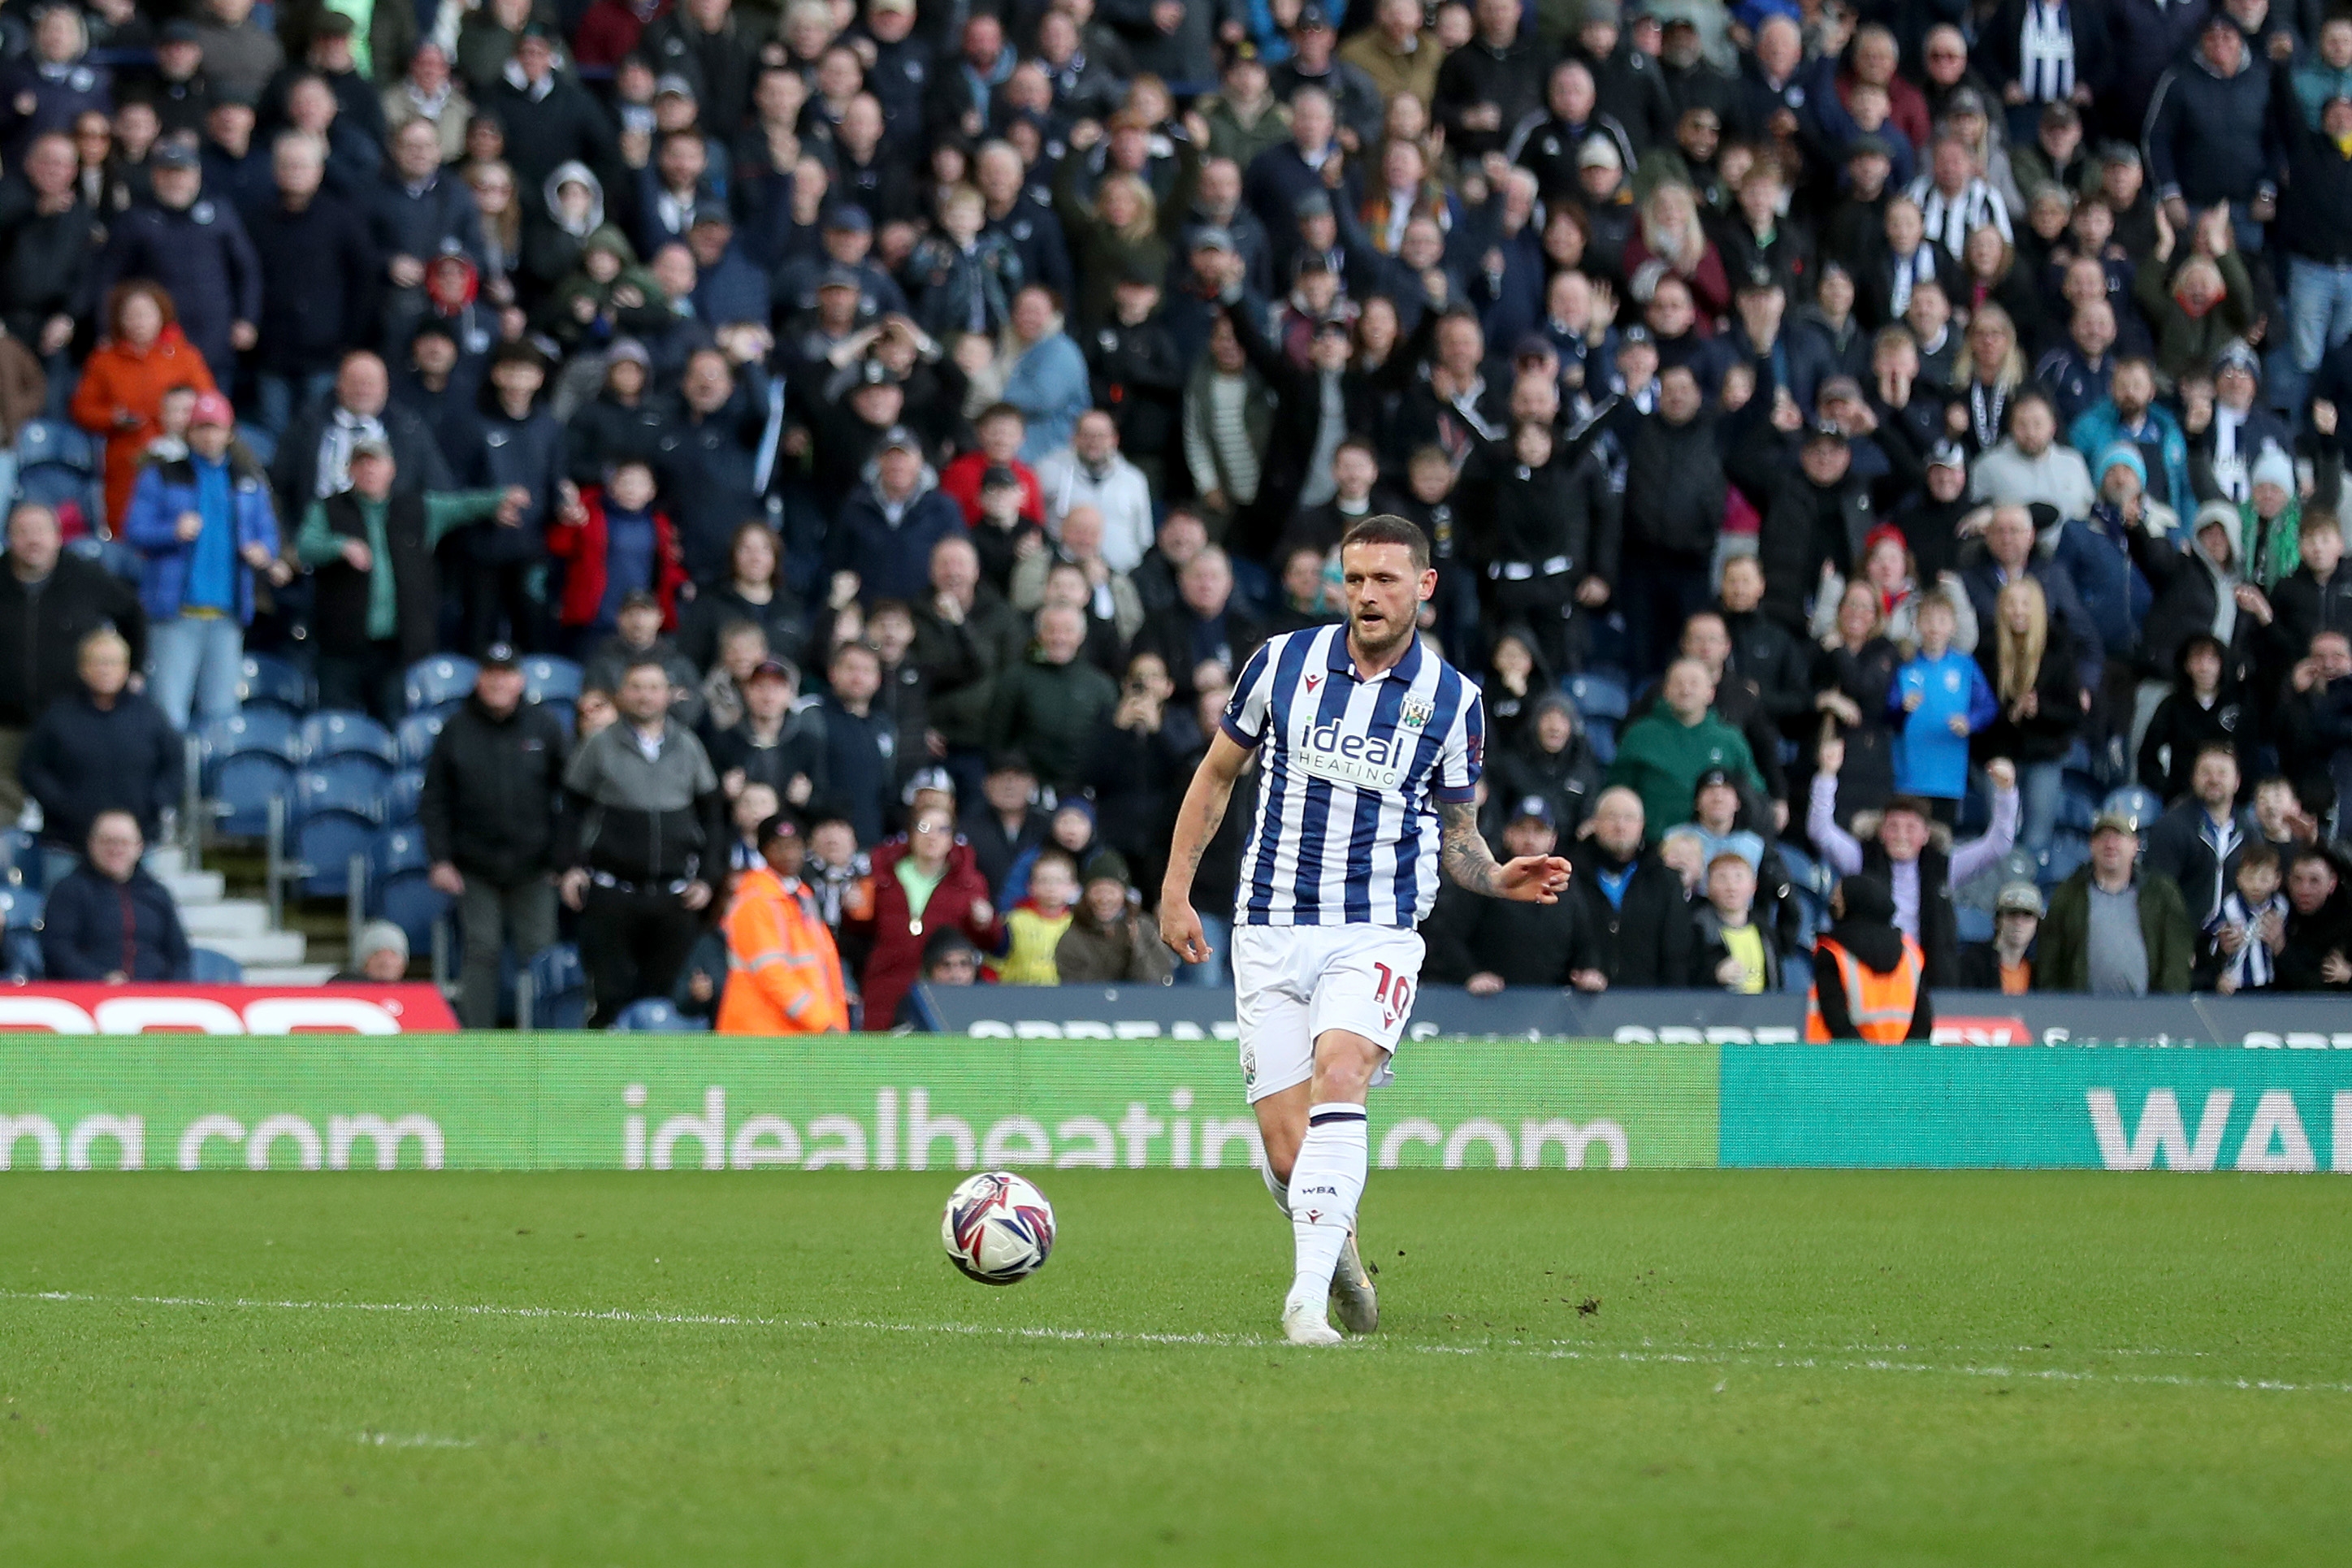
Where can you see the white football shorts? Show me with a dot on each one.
(1292, 983)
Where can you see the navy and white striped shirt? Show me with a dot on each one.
(1348, 831)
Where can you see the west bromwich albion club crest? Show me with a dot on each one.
(1413, 713)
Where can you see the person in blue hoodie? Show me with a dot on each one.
(205, 524)
(1938, 699)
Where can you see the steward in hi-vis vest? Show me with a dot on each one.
(1869, 979)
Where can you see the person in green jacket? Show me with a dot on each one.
(377, 596)
(1661, 755)
(1048, 708)
(2114, 930)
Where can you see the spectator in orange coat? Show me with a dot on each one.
(143, 357)
(783, 974)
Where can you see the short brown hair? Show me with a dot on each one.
(1387, 528)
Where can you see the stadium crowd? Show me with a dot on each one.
(1889, 438)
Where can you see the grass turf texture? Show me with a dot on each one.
(1717, 1402)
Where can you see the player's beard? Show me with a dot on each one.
(1379, 642)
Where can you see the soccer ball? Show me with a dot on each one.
(998, 1227)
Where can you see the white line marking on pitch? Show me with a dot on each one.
(418, 1440)
(1552, 1350)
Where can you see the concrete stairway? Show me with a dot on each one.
(235, 927)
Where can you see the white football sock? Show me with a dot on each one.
(1326, 1185)
(1279, 1187)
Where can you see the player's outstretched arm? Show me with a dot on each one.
(1197, 821)
(1464, 855)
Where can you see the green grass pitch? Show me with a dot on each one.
(1714, 1367)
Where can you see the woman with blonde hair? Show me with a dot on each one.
(1670, 233)
(1990, 368)
(2030, 663)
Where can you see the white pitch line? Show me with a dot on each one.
(1545, 1350)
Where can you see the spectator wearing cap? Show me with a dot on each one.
(2230, 430)
(1244, 116)
(2211, 138)
(493, 794)
(377, 596)
(205, 525)
(1004, 823)
(1534, 946)
(784, 973)
(716, 51)
(1813, 509)
(1110, 943)
(1712, 825)
(177, 86)
(2030, 465)
(549, 120)
(143, 356)
(2114, 929)
(640, 621)
(523, 450)
(2006, 962)
(772, 744)
(109, 921)
(885, 534)
(318, 282)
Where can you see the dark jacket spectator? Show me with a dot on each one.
(317, 274)
(199, 253)
(1630, 903)
(102, 751)
(2210, 134)
(2063, 961)
(98, 927)
(1047, 706)
(494, 793)
(45, 617)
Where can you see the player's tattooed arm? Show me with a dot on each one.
(1463, 852)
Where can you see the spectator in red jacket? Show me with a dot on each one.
(925, 883)
(614, 543)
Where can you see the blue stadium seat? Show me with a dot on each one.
(119, 559)
(206, 967)
(656, 1015)
(1596, 695)
(398, 889)
(444, 679)
(2064, 856)
(1602, 733)
(249, 760)
(325, 842)
(342, 734)
(565, 714)
(547, 679)
(416, 737)
(269, 682)
(259, 442)
(57, 465)
(2077, 809)
(1974, 924)
(2138, 804)
(559, 988)
(401, 796)
(20, 933)
(356, 790)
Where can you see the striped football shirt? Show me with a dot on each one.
(1347, 830)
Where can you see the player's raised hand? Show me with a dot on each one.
(1179, 928)
(1531, 879)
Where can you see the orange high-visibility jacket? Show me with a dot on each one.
(1880, 1004)
(783, 974)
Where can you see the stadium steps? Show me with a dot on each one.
(235, 927)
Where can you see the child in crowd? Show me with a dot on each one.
(754, 805)
(1033, 930)
(2004, 963)
(1938, 699)
(743, 649)
(615, 544)
(171, 420)
(837, 872)
(1733, 951)
(2242, 939)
